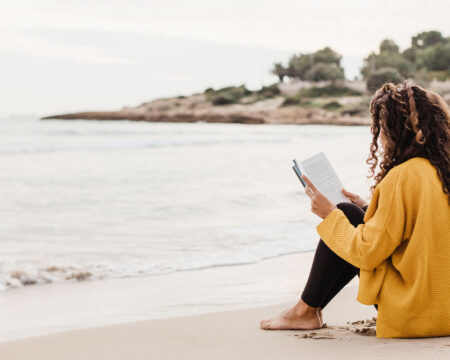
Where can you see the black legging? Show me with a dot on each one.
(329, 273)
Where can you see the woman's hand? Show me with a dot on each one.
(320, 204)
(354, 198)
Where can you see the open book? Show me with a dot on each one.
(319, 170)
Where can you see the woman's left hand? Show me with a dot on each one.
(320, 204)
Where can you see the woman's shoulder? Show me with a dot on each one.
(416, 167)
(414, 171)
(413, 165)
(416, 162)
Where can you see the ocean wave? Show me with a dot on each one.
(17, 275)
(41, 148)
(14, 275)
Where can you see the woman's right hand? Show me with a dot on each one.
(354, 198)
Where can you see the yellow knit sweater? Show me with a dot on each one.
(402, 249)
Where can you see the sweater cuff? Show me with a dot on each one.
(327, 223)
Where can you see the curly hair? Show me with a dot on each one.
(415, 123)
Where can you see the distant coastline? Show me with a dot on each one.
(299, 102)
(316, 91)
(275, 104)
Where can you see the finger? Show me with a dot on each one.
(310, 184)
(309, 191)
(348, 193)
(351, 196)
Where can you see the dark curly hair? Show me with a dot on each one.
(415, 123)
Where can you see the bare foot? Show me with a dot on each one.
(299, 317)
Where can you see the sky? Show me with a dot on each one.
(60, 56)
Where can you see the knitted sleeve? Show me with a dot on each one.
(368, 245)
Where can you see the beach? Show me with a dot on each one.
(137, 240)
(167, 171)
(114, 319)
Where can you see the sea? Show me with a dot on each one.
(91, 200)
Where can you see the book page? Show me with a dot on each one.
(319, 170)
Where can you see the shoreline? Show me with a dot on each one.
(81, 276)
(201, 314)
(52, 308)
(228, 335)
(212, 313)
(309, 119)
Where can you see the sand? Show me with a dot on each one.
(43, 309)
(227, 335)
(231, 334)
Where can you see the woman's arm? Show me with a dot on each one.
(368, 245)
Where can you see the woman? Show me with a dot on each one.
(399, 244)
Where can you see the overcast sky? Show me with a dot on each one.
(59, 55)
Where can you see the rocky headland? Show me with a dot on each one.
(270, 105)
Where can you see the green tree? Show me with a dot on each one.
(324, 71)
(324, 64)
(280, 71)
(426, 39)
(389, 46)
(388, 56)
(429, 51)
(410, 54)
(327, 55)
(435, 58)
(299, 65)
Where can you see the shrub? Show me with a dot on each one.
(382, 76)
(331, 105)
(292, 100)
(267, 92)
(227, 95)
(326, 91)
(440, 75)
(223, 100)
(353, 111)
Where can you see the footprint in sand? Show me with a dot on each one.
(368, 328)
(314, 335)
(360, 327)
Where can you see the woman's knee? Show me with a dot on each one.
(353, 212)
(347, 205)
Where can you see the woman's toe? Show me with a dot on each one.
(263, 324)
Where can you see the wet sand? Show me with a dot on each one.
(91, 321)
